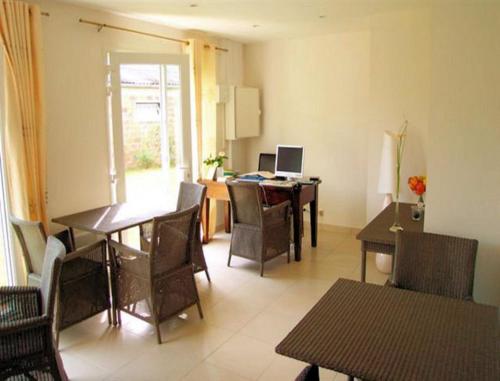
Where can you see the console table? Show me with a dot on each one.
(376, 236)
(299, 195)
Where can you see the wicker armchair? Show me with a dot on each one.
(33, 239)
(156, 285)
(189, 194)
(27, 349)
(259, 235)
(83, 286)
(83, 289)
(435, 264)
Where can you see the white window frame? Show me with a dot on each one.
(5, 230)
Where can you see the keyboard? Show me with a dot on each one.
(279, 183)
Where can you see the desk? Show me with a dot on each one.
(108, 220)
(383, 333)
(299, 195)
(376, 236)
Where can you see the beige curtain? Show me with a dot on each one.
(24, 131)
(204, 106)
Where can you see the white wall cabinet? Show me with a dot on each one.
(242, 111)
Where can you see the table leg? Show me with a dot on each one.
(111, 259)
(227, 216)
(205, 219)
(72, 238)
(297, 232)
(314, 218)
(363, 262)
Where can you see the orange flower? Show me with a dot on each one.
(417, 184)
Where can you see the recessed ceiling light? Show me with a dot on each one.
(255, 25)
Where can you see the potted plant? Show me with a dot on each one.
(215, 165)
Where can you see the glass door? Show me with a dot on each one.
(6, 268)
(151, 127)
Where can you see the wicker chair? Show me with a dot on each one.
(83, 286)
(259, 235)
(83, 289)
(435, 264)
(33, 239)
(158, 285)
(189, 194)
(27, 348)
(309, 373)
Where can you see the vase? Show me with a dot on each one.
(396, 226)
(420, 202)
(219, 172)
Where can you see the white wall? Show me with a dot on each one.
(464, 139)
(439, 67)
(74, 58)
(335, 95)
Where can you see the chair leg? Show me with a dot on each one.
(200, 312)
(208, 276)
(262, 269)
(158, 332)
(288, 255)
(229, 260)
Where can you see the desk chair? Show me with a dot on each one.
(435, 264)
(259, 235)
(267, 162)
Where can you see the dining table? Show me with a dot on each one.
(108, 220)
(375, 332)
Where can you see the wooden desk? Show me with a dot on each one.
(299, 195)
(376, 236)
(384, 333)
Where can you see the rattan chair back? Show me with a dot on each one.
(32, 239)
(51, 271)
(172, 239)
(435, 264)
(191, 194)
(246, 203)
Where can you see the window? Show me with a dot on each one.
(147, 112)
(6, 275)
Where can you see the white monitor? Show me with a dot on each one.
(289, 161)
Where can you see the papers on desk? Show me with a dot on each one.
(257, 176)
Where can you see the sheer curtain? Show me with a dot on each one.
(24, 134)
(204, 106)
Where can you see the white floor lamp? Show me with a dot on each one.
(386, 186)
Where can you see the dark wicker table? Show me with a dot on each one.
(108, 220)
(384, 333)
(376, 236)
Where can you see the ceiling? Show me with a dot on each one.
(250, 20)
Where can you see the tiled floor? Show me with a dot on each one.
(246, 316)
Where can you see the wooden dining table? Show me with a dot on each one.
(108, 220)
(377, 332)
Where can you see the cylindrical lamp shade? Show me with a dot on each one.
(387, 177)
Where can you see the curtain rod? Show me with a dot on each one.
(102, 25)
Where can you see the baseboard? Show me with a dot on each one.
(336, 229)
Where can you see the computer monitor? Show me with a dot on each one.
(267, 162)
(289, 161)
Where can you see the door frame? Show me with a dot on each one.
(117, 162)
